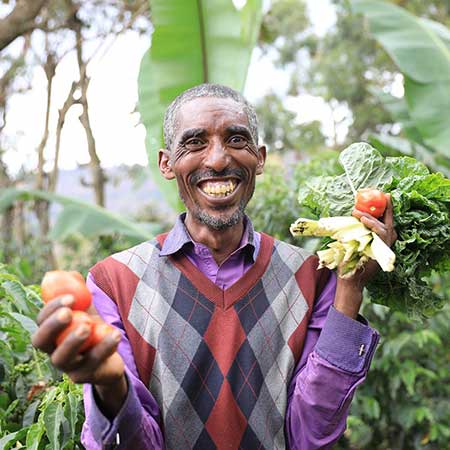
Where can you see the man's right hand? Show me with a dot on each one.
(101, 365)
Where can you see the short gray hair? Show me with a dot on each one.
(206, 90)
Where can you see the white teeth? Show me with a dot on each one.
(219, 189)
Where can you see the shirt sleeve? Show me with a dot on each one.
(137, 423)
(335, 359)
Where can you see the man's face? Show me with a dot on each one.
(214, 160)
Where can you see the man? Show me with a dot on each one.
(229, 339)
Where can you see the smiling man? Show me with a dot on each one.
(229, 338)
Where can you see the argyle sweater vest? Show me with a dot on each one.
(218, 362)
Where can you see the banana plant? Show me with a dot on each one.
(81, 217)
(421, 50)
(194, 42)
(412, 143)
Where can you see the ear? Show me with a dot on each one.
(165, 164)
(261, 160)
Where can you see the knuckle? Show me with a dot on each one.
(56, 362)
(77, 377)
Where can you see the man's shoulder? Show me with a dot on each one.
(135, 256)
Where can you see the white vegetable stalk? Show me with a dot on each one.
(352, 246)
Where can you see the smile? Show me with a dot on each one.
(218, 189)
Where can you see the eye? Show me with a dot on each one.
(237, 141)
(194, 144)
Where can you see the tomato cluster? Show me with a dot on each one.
(57, 283)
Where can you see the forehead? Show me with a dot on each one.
(210, 112)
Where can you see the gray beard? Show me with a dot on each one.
(220, 223)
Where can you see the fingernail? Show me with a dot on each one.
(67, 300)
(82, 331)
(64, 315)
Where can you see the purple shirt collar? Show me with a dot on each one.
(179, 237)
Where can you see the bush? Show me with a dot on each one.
(39, 408)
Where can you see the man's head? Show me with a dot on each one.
(201, 91)
(211, 149)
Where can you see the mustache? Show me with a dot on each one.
(201, 175)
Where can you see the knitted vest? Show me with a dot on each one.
(218, 362)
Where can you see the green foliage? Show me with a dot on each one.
(422, 220)
(273, 194)
(280, 130)
(274, 206)
(424, 62)
(39, 409)
(282, 29)
(404, 403)
(342, 67)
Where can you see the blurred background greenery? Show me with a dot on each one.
(372, 71)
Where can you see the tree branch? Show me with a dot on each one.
(68, 103)
(20, 21)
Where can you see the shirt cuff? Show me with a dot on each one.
(346, 343)
(124, 425)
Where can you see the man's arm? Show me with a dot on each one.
(121, 417)
(122, 413)
(323, 386)
(327, 375)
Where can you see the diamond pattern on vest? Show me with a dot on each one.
(202, 381)
(219, 375)
(137, 258)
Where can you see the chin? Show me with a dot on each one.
(219, 222)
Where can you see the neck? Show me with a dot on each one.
(220, 242)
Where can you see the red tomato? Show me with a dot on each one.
(78, 318)
(60, 282)
(371, 201)
(100, 331)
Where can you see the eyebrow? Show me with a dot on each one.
(238, 129)
(192, 132)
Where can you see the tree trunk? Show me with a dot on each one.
(97, 173)
(42, 207)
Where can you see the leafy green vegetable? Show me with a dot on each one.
(422, 220)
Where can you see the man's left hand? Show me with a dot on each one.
(349, 290)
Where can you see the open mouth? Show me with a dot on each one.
(218, 188)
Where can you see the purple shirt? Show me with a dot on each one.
(335, 359)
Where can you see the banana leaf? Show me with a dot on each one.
(421, 50)
(81, 217)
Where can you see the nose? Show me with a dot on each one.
(217, 157)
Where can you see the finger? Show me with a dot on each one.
(66, 356)
(53, 305)
(106, 347)
(369, 221)
(358, 214)
(97, 361)
(388, 216)
(44, 337)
